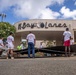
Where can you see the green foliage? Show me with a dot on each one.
(49, 43)
(6, 28)
(24, 44)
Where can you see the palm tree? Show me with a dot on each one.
(3, 16)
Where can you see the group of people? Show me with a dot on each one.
(68, 40)
(10, 45)
(31, 40)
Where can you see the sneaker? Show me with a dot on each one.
(12, 57)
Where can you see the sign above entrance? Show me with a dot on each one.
(40, 25)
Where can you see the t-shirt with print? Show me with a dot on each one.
(30, 37)
(67, 35)
(10, 39)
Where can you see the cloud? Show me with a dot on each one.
(31, 9)
(75, 3)
(67, 13)
(49, 14)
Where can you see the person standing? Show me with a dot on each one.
(41, 46)
(71, 41)
(3, 48)
(10, 41)
(31, 40)
(67, 36)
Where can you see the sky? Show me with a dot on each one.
(18, 10)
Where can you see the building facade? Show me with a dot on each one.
(44, 29)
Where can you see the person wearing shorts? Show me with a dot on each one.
(10, 41)
(67, 37)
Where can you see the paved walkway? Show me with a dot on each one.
(39, 66)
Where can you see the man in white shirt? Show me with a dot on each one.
(31, 39)
(10, 41)
(67, 36)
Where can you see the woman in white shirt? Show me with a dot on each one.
(10, 41)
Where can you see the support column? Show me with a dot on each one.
(17, 41)
(72, 34)
(72, 31)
